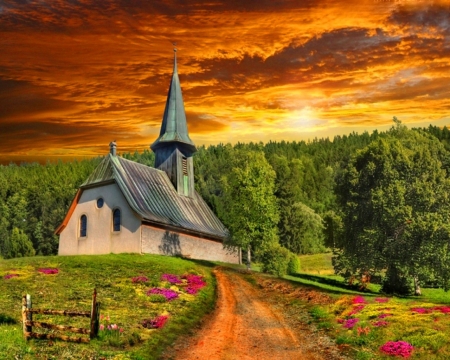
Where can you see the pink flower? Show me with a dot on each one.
(348, 324)
(359, 300)
(421, 310)
(9, 276)
(155, 323)
(102, 327)
(121, 330)
(397, 348)
(48, 271)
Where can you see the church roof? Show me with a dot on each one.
(152, 196)
(174, 126)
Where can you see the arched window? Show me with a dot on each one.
(116, 220)
(83, 226)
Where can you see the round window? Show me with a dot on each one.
(100, 203)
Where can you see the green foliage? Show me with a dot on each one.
(394, 196)
(275, 260)
(248, 207)
(293, 266)
(20, 244)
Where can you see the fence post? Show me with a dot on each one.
(94, 316)
(26, 316)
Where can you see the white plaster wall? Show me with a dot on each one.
(163, 242)
(101, 239)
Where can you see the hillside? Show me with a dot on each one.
(123, 303)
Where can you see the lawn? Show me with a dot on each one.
(372, 325)
(130, 313)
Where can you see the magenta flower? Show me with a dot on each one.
(421, 310)
(442, 309)
(9, 276)
(155, 323)
(356, 310)
(169, 294)
(48, 271)
(349, 323)
(195, 283)
(397, 348)
(138, 279)
(359, 300)
(173, 279)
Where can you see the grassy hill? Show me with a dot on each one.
(123, 303)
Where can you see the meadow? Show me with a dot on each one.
(372, 326)
(133, 325)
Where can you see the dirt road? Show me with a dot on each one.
(246, 325)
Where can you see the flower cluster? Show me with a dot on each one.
(48, 271)
(363, 330)
(359, 300)
(397, 348)
(155, 323)
(111, 327)
(356, 310)
(349, 323)
(138, 279)
(9, 276)
(169, 294)
(420, 310)
(195, 283)
(173, 279)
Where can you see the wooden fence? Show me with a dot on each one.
(28, 323)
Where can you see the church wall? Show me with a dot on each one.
(101, 239)
(164, 242)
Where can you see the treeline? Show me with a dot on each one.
(33, 202)
(296, 189)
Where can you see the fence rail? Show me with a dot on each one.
(28, 323)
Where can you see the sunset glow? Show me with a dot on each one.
(75, 75)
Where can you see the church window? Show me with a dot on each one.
(116, 220)
(100, 203)
(83, 226)
(185, 176)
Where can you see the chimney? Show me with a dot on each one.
(113, 148)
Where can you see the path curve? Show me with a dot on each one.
(244, 326)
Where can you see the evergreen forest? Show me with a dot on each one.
(379, 201)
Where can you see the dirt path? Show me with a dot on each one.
(246, 326)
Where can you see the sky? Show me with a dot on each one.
(77, 74)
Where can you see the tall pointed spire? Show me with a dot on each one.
(174, 149)
(174, 126)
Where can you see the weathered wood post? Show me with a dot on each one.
(94, 315)
(26, 316)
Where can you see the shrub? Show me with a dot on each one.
(275, 260)
(293, 264)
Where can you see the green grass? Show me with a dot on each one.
(317, 264)
(123, 301)
(428, 332)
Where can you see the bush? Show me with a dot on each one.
(275, 260)
(293, 264)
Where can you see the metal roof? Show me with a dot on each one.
(152, 196)
(174, 126)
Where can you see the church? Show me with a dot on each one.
(127, 207)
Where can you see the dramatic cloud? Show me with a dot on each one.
(75, 75)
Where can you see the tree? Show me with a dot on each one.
(394, 200)
(20, 244)
(248, 205)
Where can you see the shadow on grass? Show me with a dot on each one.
(8, 320)
(329, 285)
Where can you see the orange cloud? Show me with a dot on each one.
(76, 75)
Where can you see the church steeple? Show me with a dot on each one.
(174, 127)
(174, 149)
